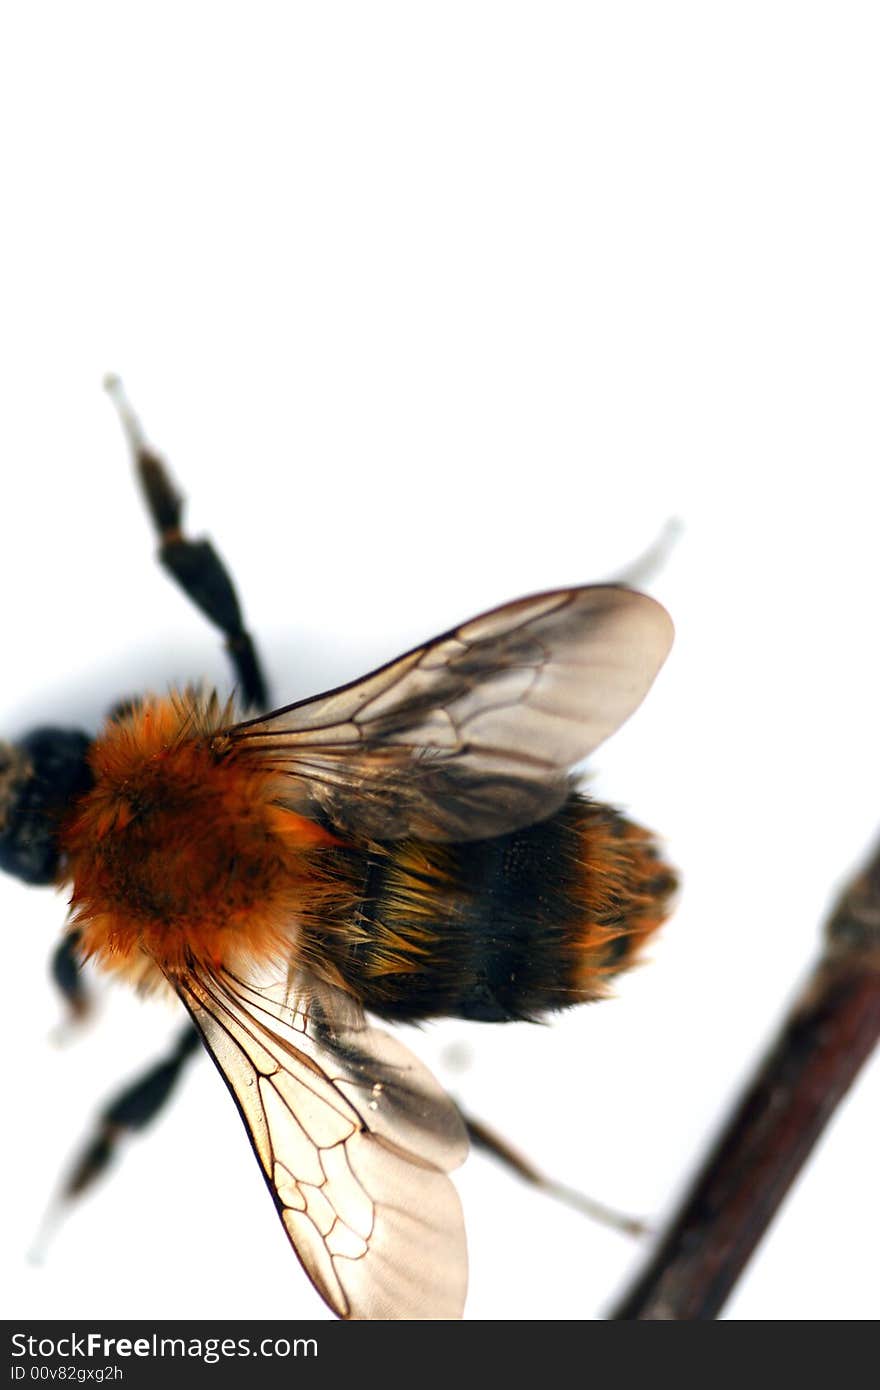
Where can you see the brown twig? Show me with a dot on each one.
(828, 1034)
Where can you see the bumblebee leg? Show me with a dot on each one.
(127, 1113)
(653, 560)
(486, 1139)
(66, 972)
(194, 565)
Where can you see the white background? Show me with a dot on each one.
(430, 306)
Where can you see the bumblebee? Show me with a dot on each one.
(410, 845)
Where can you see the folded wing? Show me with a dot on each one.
(354, 1137)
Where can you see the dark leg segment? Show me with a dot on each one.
(482, 1137)
(194, 565)
(126, 1114)
(66, 972)
(131, 1110)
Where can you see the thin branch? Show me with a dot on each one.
(826, 1037)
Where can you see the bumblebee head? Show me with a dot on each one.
(39, 778)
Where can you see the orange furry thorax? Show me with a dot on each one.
(181, 850)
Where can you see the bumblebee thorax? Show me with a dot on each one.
(180, 850)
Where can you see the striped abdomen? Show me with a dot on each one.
(499, 929)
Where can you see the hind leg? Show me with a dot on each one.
(193, 564)
(482, 1137)
(125, 1114)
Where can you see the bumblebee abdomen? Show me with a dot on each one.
(507, 928)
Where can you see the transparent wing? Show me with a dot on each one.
(474, 733)
(354, 1137)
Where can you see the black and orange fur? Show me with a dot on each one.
(410, 844)
(182, 851)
